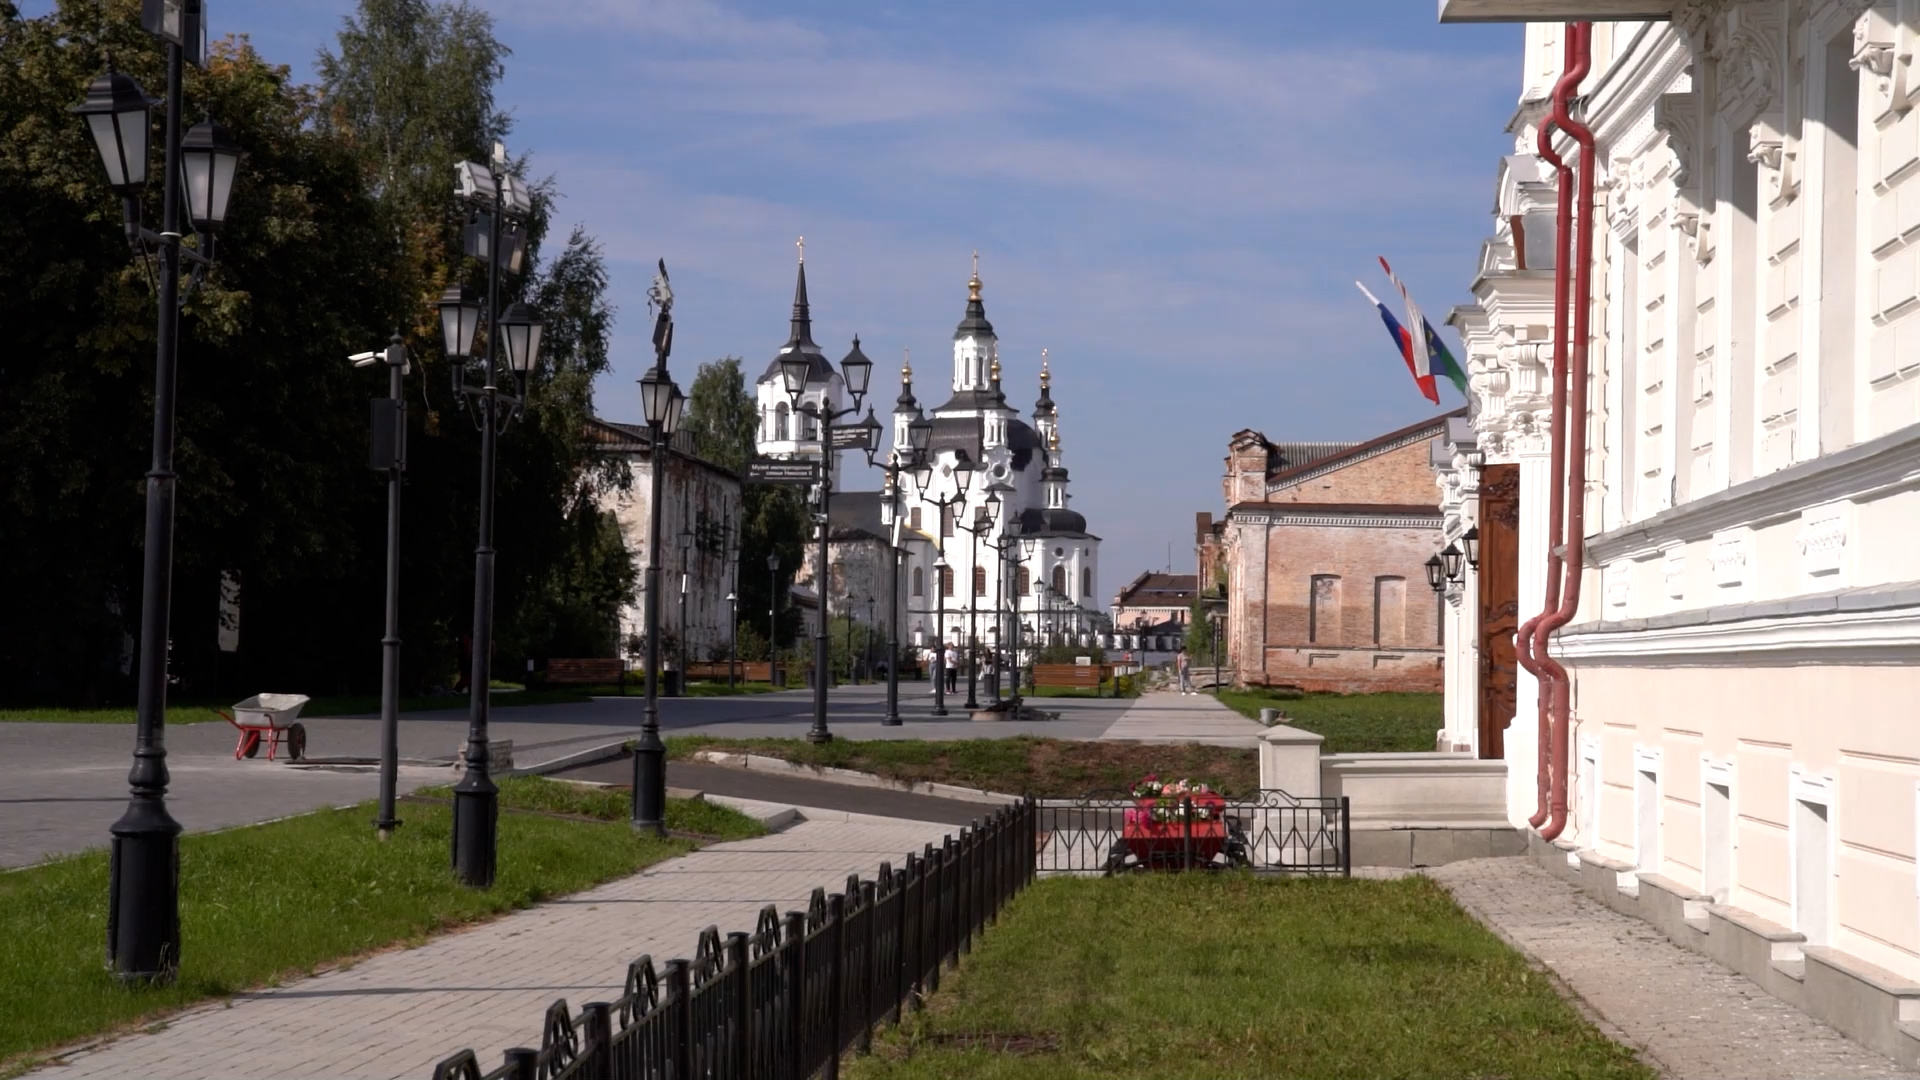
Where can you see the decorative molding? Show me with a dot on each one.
(1823, 538)
(1888, 636)
(1883, 50)
(1677, 116)
(1355, 521)
(1750, 62)
(1729, 557)
(1673, 572)
(1618, 583)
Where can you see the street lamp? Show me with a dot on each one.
(866, 643)
(915, 462)
(855, 371)
(487, 188)
(773, 620)
(1436, 574)
(846, 605)
(1450, 559)
(985, 518)
(940, 569)
(388, 453)
(1471, 541)
(961, 471)
(661, 402)
(143, 906)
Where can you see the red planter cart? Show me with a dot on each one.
(1193, 831)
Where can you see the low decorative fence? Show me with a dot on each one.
(1116, 832)
(784, 1002)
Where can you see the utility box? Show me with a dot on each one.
(388, 447)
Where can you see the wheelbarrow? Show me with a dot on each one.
(271, 716)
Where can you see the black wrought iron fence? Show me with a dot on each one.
(1114, 832)
(784, 1002)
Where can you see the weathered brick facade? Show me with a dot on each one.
(1325, 546)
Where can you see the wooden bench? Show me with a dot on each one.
(587, 672)
(743, 670)
(1071, 676)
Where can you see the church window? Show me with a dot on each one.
(1086, 581)
(1060, 580)
(913, 519)
(946, 521)
(946, 581)
(1025, 581)
(919, 581)
(780, 422)
(979, 581)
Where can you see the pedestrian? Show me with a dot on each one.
(932, 659)
(953, 670)
(1180, 667)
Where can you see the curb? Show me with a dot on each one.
(590, 756)
(852, 777)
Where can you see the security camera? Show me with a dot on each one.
(362, 359)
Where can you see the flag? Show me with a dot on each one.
(1402, 343)
(1430, 355)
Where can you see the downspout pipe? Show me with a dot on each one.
(1576, 422)
(1526, 647)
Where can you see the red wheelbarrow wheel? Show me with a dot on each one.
(251, 745)
(296, 739)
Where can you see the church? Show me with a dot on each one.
(990, 531)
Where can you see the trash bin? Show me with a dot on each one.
(670, 683)
(1270, 717)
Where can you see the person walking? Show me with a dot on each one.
(953, 670)
(1180, 668)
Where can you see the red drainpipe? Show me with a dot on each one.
(1524, 640)
(1576, 421)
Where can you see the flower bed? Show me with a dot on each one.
(1174, 822)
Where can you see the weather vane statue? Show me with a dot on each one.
(660, 301)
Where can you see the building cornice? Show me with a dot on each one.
(1876, 636)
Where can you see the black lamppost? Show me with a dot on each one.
(773, 620)
(388, 453)
(686, 563)
(919, 435)
(846, 604)
(662, 402)
(855, 370)
(961, 471)
(985, 519)
(143, 905)
(733, 601)
(495, 196)
(866, 642)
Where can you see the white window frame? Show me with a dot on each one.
(1646, 759)
(1719, 773)
(1804, 785)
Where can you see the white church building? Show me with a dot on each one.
(1030, 552)
(1732, 751)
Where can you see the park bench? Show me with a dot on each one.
(1071, 676)
(743, 670)
(587, 672)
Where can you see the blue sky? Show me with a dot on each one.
(1173, 199)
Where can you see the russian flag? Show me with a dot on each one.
(1403, 343)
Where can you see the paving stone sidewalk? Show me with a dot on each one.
(399, 1013)
(1689, 1017)
(1167, 716)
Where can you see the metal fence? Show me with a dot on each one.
(784, 1002)
(1113, 832)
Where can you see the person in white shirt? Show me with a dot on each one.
(1180, 667)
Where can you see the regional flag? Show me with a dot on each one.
(1429, 353)
(1402, 343)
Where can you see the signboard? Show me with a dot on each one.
(851, 437)
(783, 472)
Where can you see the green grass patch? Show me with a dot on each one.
(262, 904)
(1017, 766)
(1352, 723)
(1129, 687)
(615, 804)
(1214, 975)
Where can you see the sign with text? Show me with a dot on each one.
(851, 437)
(783, 472)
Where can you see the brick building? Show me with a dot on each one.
(1323, 549)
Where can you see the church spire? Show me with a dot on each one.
(801, 336)
(975, 324)
(1044, 407)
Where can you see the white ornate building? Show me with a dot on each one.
(1018, 464)
(1741, 747)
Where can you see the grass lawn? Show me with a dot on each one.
(1352, 723)
(1016, 766)
(1229, 975)
(271, 902)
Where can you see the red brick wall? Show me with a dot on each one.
(1403, 477)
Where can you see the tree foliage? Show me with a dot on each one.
(341, 230)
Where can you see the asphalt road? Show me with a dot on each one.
(793, 790)
(63, 785)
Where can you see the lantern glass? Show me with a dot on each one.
(1450, 560)
(870, 431)
(922, 475)
(676, 411)
(459, 320)
(794, 369)
(1471, 541)
(656, 396)
(117, 118)
(1436, 573)
(857, 370)
(209, 160)
(962, 476)
(920, 434)
(522, 328)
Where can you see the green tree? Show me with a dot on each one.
(722, 422)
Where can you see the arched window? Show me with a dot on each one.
(979, 581)
(806, 425)
(780, 422)
(1025, 584)
(946, 581)
(913, 519)
(946, 521)
(1086, 581)
(919, 581)
(1060, 580)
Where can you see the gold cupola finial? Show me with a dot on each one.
(1046, 377)
(973, 283)
(1053, 435)
(801, 245)
(906, 368)
(993, 371)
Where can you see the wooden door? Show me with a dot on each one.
(1499, 602)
